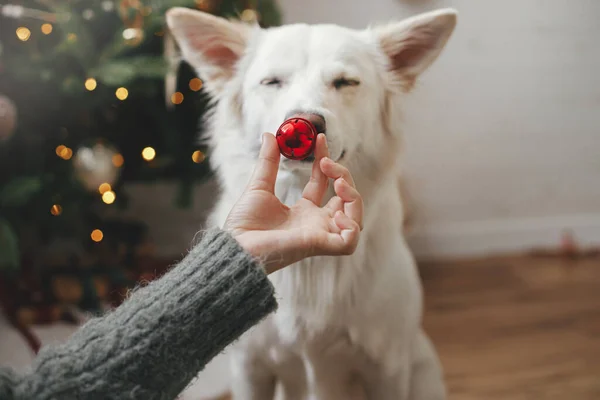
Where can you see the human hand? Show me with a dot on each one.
(281, 235)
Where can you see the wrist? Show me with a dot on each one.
(259, 247)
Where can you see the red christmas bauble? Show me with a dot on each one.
(297, 138)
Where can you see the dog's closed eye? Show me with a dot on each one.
(271, 82)
(342, 82)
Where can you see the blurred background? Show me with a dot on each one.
(104, 181)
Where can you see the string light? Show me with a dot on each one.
(71, 38)
(56, 210)
(23, 33)
(203, 5)
(104, 187)
(159, 33)
(97, 235)
(46, 29)
(122, 93)
(108, 5)
(249, 15)
(132, 33)
(87, 14)
(118, 160)
(90, 84)
(177, 98)
(195, 84)
(64, 152)
(198, 156)
(109, 197)
(148, 153)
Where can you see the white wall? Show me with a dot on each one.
(503, 134)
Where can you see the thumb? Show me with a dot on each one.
(265, 172)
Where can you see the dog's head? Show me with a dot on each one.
(346, 81)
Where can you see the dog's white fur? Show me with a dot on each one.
(347, 327)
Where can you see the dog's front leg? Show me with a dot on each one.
(252, 379)
(391, 387)
(427, 378)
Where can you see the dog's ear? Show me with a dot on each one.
(210, 44)
(413, 44)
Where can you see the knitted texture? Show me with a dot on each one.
(156, 342)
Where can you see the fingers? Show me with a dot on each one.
(317, 186)
(334, 170)
(353, 204)
(345, 190)
(335, 204)
(265, 172)
(347, 240)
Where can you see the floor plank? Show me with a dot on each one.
(516, 328)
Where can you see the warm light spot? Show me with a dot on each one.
(132, 33)
(109, 197)
(104, 187)
(64, 152)
(249, 15)
(97, 235)
(159, 33)
(122, 93)
(118, 160)
(198, 156)
(90, 84)
(148, 154)
(59, 149)
(23, 34)
(56, 210)
(71, 38)
(203, 5)
(196, 84)
(177, 98)
(47, 29)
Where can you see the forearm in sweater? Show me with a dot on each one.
(157, 341)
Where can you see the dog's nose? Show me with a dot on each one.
(316, 119)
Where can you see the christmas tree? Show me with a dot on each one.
(93, 96)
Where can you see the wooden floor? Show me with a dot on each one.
(525, 328)
(519, 328)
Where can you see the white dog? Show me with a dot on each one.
(347, 327)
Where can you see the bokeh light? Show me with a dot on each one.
(195, 84)
(90, 84)
(198, 156)
(104, 187)
(122, 93)
(109, 197)
(177, 98)
(148, 153)
(97, 235)
(46, 29)
(56, 210)
(23, 33)
(118, 160)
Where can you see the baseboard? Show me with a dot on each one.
(501, 236)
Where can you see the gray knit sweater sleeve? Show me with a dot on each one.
(156, 342)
